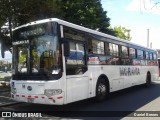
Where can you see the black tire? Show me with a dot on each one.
(148, 80)
(101, 90)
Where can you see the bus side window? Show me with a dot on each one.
(76, 62)
(132, 53)
(107, 48)
(114, 51)
(95, 46)
(124, 52)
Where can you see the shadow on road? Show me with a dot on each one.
(119, 104)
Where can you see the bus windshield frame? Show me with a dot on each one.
(36, 52)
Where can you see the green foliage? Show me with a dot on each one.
(22, 58)
(19, 12)
(24, 11)
(4, 11)
(122, 32)
(88, 13)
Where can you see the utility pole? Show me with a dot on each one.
(148, 38)
(150, 44)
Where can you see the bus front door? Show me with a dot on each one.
(76, 73)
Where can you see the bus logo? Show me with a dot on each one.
(29, 88)
(23, 86)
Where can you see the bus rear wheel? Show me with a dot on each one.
(148, 80)
(101, 90)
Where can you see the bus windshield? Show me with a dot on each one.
(36, 52)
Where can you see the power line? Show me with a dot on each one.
(151, 4)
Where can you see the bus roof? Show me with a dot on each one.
(81, 28)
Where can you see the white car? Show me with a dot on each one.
(5, 77)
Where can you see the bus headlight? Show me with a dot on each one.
(52, 92)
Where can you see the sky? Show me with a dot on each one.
(140, 16)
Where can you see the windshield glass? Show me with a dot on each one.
(37, 55)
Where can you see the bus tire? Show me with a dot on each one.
(148, 80)
(101, 90)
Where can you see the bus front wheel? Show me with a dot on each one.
(101, 90)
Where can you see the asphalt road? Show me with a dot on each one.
(123, 104)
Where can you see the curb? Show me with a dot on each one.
(6, 90)
(10, 104)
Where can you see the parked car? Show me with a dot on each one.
(5, 78)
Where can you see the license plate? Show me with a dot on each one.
(30, 100)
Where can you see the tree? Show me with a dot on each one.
(18, 12)
(122, 32)
(24, 11)
(86, 13)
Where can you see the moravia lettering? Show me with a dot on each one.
(128, 71)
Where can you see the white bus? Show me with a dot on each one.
(56, 62)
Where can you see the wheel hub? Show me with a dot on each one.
(102, 89)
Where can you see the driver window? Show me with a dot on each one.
(76, 62)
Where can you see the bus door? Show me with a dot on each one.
(76, 72)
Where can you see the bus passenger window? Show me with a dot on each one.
(140, 54)
(107, 48)
(124, 52)
(95, 46)
(76, 54)
(132, 53)
(147, 55)
(151, 56)
(113, 49)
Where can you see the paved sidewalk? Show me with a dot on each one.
(6, 102)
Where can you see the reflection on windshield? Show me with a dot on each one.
(44, 53)
(39, 56)
(36, 52)
(22, 66)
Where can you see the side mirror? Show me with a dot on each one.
(66, 48)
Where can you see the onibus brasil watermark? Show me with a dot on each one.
(21, 114)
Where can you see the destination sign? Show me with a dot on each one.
(20, 42)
